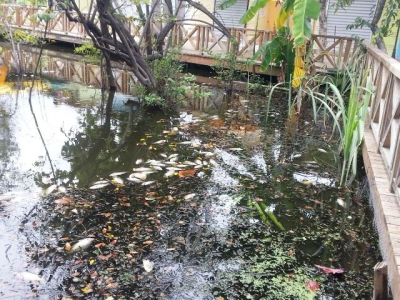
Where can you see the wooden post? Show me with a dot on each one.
(380, 281)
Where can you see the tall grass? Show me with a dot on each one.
(344, 99)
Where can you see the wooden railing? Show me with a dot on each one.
(335, 54)
(194, 39)
(385, 111)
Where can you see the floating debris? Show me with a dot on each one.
(148, 182)
(139, 161)
(81, 245)
(341, 202)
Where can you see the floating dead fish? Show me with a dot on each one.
(117, 174)
(148, 265)
(81, 245)
(62, 189)
(171, 163)
(117, 181)
(142, 169)
(189, 196)
(173, 155)
(47, 180)
(158, 168)
(205, 163)
(207, 154)
(141, 176)
(173, 169)
(99, 186)
(198, 162)
(185, 143)
(198, 166)
(160, 142)
(322, 150)
(296, 155)
(190, 163)
(49, 190)
(101, 182)
(164, 155)
(200, 174)
(139, 161)
(133, 179)
(181, 166)
(341, 202)
(235, 149)
(148, 182)
(213, 162)
(169, 174)
(29, 277)
(174, 159)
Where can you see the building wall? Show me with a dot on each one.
(338, 22)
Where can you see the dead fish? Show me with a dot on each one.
(174, 159)
(322, 150)
(296, 155)
(213, 162)
(189, 196)
(81, 245)
(159, 142)
(198, 166)
(101, 182)
(207, 154)
(181, 166)
(185, 143)
(158, 168)
(28, 276)
(117, 181)
(235, 149)
(148, 182)
(341, 202)
(198, 162)
(133, 179)
(169, 174)
(173, 155)
(142, 169)
(190, 163)
(163, 155)
(171, 163)
(49, 190)
(173, 169)
(99, 186)
(139, 161)
(141, 176)
(148, 265)
(117, 174)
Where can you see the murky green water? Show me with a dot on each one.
(224, 207)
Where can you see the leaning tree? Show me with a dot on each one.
(106, 25)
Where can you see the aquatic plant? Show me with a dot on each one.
(342, 97)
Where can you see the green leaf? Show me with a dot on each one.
(226, 4)
(252, 11)
(268, 50)
(303, 11)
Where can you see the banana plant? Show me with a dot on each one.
(300, 12)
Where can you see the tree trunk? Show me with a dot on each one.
(380, 5)
(323, 21)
